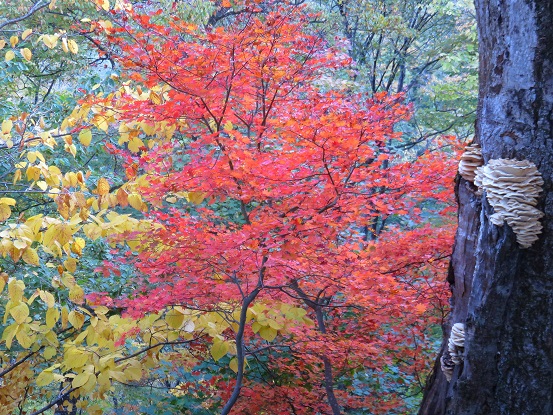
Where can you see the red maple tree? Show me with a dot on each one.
(300, 199)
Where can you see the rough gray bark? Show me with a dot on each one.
(502, 293)
(461, 270)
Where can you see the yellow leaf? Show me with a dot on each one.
(135, 200)
(195, 197)
(92, 231)
(17, 176)
(9, 55)
(76, 294)
(61, 233)
(50, 41)
(2, 283)
(7, 201)
(24, 339)
(71, 149)
(268, 333)
(172, 335)
(26, 34)
(80, 379)
(75, 358)
(149, 129)
(68, 280)
(155, 98)
(64, 45)
(77, 246)
(234, 365)
(42, 185)
(26, 53)
(135, 144)
(20, 313)
(101, 122)
(103, 379)
(5, 212)
(52, 317)
(101, 310)
(80, 338)
(19, 244)
(102, 187)
(134, 372)
(85, 136)
(33, 297)
(70, 264)
(274, 324)
(7, 126)
(76, 319)
(14, 40)
(48, 298)
(44, 378)
(30, 256)
(52, 338)
(15, 290)
(49, 352)
(104, 4)
(228, 126)
(2, 43)
(72, 45)
(9, 334)
(64, 317)
(118, 375)
(174, 318)
(219, 349)
(89, 386)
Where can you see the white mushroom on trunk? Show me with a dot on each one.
(470, 160)
(512, 188)
(456, 344)
(455, 350)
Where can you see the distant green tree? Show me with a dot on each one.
(426, 49)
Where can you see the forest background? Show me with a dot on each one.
(215, 207)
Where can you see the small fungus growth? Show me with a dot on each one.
(455, 349)
(470, 161)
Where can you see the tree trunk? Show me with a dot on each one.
(504, 294)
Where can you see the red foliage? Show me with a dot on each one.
(298, 179)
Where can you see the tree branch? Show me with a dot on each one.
(36, 7)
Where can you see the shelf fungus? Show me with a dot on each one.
(470, 161)
(512, 188)
(455, 349)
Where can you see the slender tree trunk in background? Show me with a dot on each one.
(504, 294)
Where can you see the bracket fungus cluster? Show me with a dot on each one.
(470, 161)
(512, 188)
(455, 349)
